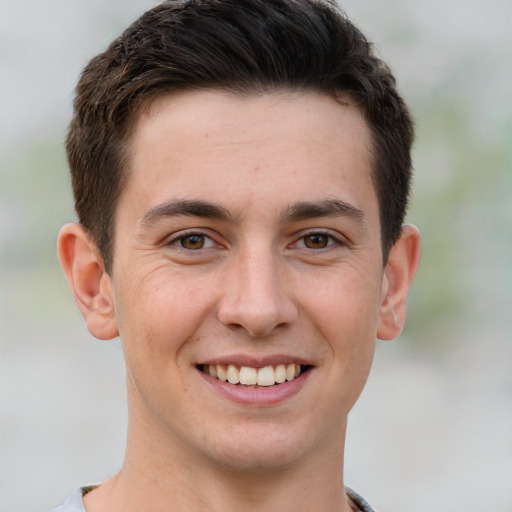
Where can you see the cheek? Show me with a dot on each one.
(158, 319)
(347, 303)
(160, 312)
(346, 314)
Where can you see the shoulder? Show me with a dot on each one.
(359, 501)
(74, 503)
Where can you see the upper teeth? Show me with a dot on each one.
(247, 375)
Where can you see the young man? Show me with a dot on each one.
(241, 173)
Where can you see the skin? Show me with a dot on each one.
(264, 277)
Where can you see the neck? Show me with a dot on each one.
(162, 474)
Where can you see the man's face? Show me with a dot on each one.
(247, 236)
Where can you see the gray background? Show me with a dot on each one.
(433, 428)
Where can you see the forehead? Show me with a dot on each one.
(239, 146)
(223, 113)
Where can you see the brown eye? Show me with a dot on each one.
(316, 241)
(192, 242)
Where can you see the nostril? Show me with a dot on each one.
(255, 316)
(237, 327)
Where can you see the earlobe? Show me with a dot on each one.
(401, 267)
(90, 284)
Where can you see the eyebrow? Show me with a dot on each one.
(295, 212)
(326, 208)
(185, 207)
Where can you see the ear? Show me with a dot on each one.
(91, 285)
(402, 263)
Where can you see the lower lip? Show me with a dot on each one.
(261, 396)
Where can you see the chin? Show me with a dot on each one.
(255, 461)
(266, 450)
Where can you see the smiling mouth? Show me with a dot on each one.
(254, 377)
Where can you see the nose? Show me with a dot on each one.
(256, 295)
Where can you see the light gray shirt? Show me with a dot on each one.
(75, 503)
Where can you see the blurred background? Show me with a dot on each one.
(433, 429)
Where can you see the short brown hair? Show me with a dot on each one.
(247, 47)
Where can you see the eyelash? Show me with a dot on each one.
(178, 241)
(331, 241)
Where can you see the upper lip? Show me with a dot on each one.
(256, 361)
